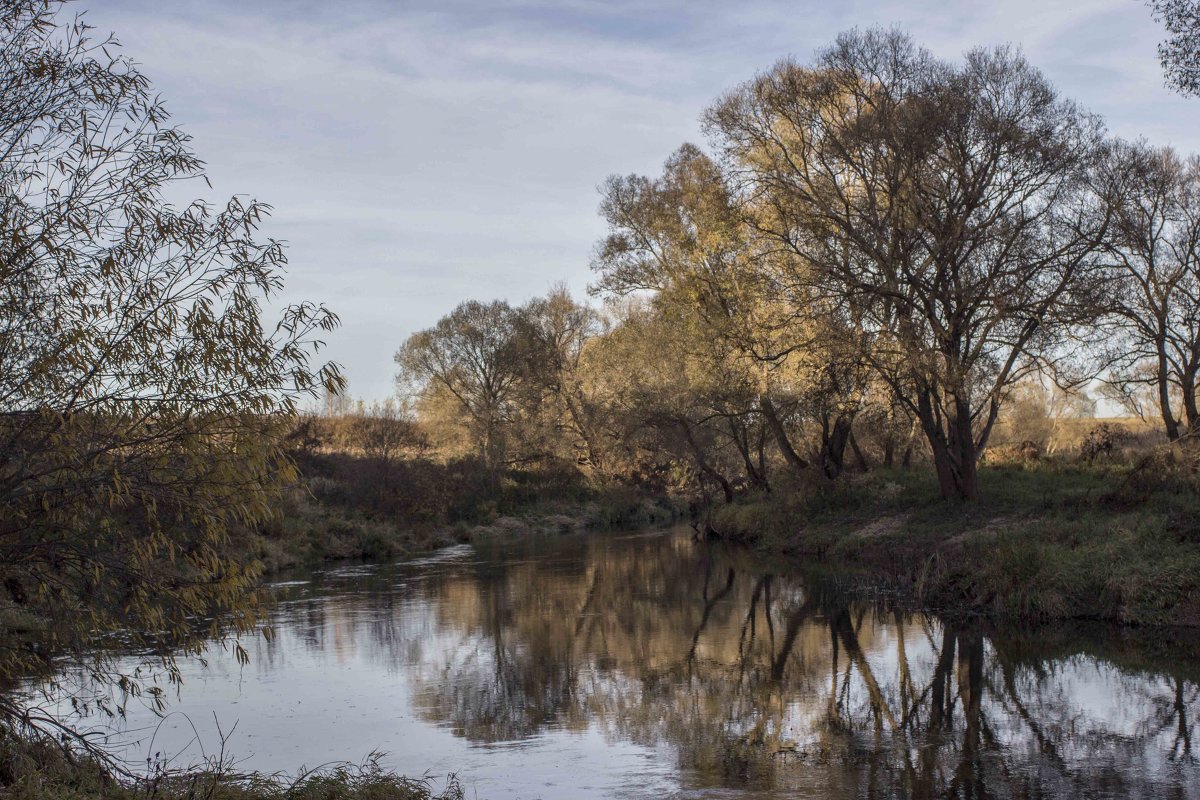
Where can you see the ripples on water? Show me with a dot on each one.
(652, 666)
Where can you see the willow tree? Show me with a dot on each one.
(553, 333)
(950, 206)
(685, 238)
(1180, 51)
(671, 392)
(141, 382)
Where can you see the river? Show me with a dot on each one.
(649, 665)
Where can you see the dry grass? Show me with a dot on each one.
(37, 769)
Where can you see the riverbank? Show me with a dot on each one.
(310, 533)
(1107, 540)
(1046, 541)
(37, 769)
(353, 508)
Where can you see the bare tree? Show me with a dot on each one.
(1155, 246)
(384, 432)
(950, 207)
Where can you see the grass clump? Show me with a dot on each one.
(36, 768)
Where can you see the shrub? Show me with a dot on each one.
(1105, 439)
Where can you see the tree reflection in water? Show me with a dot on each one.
(765, 681)
(756, 682)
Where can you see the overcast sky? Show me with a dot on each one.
(419, 153)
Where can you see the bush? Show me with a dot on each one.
(1106, 439)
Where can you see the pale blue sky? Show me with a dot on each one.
(421, 153)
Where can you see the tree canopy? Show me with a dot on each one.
(875, 244)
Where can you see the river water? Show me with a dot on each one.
(650, 665)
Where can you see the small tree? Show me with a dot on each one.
(670, 399)
(473, 355)
(384, 432)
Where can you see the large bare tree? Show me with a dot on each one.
(950, 208)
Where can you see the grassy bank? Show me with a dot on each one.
(1047, 541)
(354, 507)
(36, 769)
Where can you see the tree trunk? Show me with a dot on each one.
(858, 453)
(776, 425)
(698, 454)
(1164, 396)
(906, 459)
(833, 446)
(737, 430)
(761, 448)
(965, 453)
(889, 441)
(575, 409)
(952, 441)
(1190, 412)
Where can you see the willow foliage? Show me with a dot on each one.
(141, 384)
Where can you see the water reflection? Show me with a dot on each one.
(652, 665)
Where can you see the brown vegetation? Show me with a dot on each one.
(360, 499)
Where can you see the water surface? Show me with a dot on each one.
(649, 665)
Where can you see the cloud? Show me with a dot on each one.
(425, 151)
